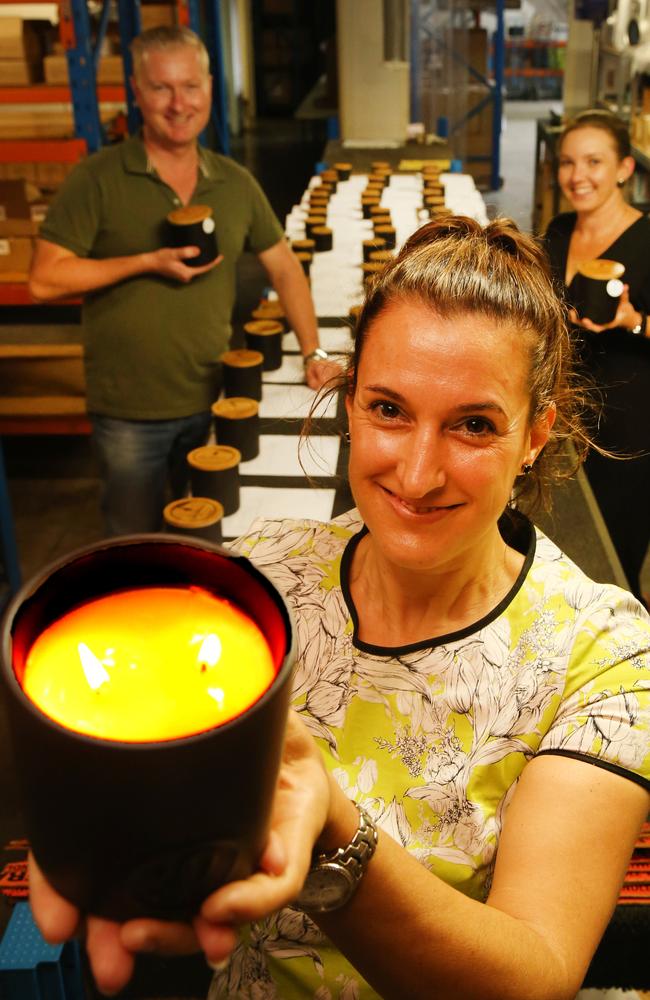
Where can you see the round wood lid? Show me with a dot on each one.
(376, 242)
(193, 512)
(189, 214)
(372, 267)
(242, 358)
(601, 268)
(308, 245)
(264, 327)
(322, 231)
(343, 166)
(268, 309)
(214, 457)
(385, 229)
(235, 407)
(381, 256)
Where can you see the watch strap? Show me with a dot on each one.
(319, 354)
(356, 855)
(346, 865)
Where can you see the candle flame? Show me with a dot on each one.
(210, 651)
(93, 668)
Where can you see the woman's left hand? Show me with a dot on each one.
(302, 806)
(626, 316)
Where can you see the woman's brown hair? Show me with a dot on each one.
(615, 127)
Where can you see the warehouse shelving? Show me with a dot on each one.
(76, 34)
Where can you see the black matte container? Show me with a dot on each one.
(128, 829)
(193, 226)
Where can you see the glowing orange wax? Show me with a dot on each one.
(149, 664)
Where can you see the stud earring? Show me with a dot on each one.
(346, 435)
(526, 470)
(620, 182)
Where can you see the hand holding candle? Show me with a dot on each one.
(147, 722)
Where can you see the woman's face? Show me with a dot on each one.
(590, 168)
(439, 430)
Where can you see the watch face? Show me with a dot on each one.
(326, 888)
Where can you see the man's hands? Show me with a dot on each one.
(318, 373)
(169, 262)
(303, 806)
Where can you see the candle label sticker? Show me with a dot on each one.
(614, 287)
(149, 664)
(208, 225)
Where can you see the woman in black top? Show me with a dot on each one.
(595, 163)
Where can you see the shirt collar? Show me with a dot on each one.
(136, 161)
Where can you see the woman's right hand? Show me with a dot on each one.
(626, 316)
(306, 801)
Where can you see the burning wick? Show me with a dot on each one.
(142, 677)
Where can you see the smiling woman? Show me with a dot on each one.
(603, 228)
(466, 701)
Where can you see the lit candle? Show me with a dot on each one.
(149, 664)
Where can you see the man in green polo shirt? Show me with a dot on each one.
(155, 327)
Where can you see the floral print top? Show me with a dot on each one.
(432, 737)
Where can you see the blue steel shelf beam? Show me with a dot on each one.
(494, 88)
(76, 36)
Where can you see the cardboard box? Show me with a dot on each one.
(22, 209)
(19, 39)
(18, 72)
(15, 254)
(153, 15)
(109, 71)
(14, 200)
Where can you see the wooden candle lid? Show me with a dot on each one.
(189, 214)
(192, 512)
(214, 457)
(242, 358)
(380, 256)
(371, 269)
(379, 210)
(307, 245)
(268, 309)
(264, 327)
(235, 408)
(380, 165)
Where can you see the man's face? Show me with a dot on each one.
(174, 94)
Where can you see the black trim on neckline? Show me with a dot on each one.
(523, 539)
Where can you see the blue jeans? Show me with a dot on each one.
(144, 465)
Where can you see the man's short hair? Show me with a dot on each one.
(164, 38)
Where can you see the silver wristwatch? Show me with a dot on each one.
(317, 355)
(335, 875)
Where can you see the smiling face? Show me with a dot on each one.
(590, 168)
(174, 94)
(439, 429)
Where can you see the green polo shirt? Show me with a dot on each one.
(152, 345)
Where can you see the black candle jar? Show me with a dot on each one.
(193, 226)
(597, 288)
(136, 829)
